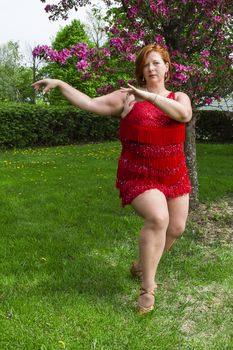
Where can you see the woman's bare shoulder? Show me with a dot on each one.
(180, 94)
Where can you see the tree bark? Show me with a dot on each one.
(190, 152)
(33, 78)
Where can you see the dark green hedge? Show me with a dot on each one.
(27, 125)
(214, 126)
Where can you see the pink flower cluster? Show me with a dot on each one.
(205, 58)
(125, 42)
(105, 89)
(133, 11)
(179, 78)
(85, 56)
(208, 100)
(217, 19)
(182, 74)
(146, 24)
(159, 7)
(47, 53)
(159, 39)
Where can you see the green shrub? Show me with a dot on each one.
(27, 125)
(214, 126)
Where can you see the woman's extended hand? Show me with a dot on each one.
(49, 84)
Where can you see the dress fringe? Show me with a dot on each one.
(158, 163)
(153, 136)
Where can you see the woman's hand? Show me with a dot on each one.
(49, 84)
(138, 93)
(128, 105)
(133, 95)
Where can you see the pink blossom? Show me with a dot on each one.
(121, 82)
(97, 64)
(180, 67)
(159, 7)
(105, 89)
(205, 53)
(141, 34)
(133, 11)
(82, 65)
(205, 62)
(53, 55)
(159, 39)
(131, 57)
(180, 77)
(86, 76)
(40, 50)
(114, 30)
(117, 43)
(132, 36)
(217, 19)
(220, 36)
(80, 50)
(106, 52)
(64, 55)
(132, 81)
(208, 100)
(178, 54)
(200, 88)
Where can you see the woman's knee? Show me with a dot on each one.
(176, 229)
(157, 221)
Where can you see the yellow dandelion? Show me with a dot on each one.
(62, 343)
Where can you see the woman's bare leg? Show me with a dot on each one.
(152, 206)
(178, 212)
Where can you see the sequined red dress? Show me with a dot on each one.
(152, 153)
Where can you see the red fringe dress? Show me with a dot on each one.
(152, 153)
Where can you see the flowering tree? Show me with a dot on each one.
(197, 33)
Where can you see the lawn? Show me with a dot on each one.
(66, 246)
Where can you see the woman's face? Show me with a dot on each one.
(154, 68)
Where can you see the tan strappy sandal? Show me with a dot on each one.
(142, 310)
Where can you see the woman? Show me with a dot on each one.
(152, 175)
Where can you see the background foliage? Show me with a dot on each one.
(15, 78)
(25, 125)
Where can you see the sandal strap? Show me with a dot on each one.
(147, 291)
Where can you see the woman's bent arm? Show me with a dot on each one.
(107, 105)
(179, 109)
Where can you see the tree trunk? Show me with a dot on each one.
(33, 78)
(190, 152)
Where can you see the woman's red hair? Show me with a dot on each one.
(140, 61)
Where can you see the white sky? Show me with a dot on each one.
(26, 22)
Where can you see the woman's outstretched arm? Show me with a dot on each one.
(107, 105)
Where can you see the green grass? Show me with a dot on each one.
(66, 246)
(215, 167)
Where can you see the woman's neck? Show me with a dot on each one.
(157, 89)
